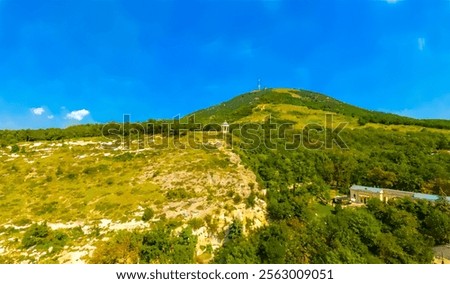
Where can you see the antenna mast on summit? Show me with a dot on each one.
(259, 84)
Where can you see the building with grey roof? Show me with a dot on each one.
(361, 194)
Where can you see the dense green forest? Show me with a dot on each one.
(412, 161)
(403, 231)
(298, 183)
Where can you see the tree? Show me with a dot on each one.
(381, 178)
(272, 244)
(235, 230)
(237, 251)
(437, 225)
(124, 248)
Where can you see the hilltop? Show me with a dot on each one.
(301, 106)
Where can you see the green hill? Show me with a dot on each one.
(246, 105)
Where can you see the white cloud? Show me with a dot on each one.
(421, 43)
(38, 110)
(392, 1)
(78, 114)
(50, 116)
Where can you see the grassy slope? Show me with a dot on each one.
(302, 107)
(98, 187)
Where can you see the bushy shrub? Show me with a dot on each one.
(124, 157)
(72, 176)
(250, 201)
(15, 149)
(180, 193)
(22, 222)
(76, 233)
(43, 237)
(123, 248)
(35, 235)
(149, 213)
(237, 198)
(196, 223)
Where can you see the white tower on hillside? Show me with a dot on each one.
(259, 84)
(225, 127)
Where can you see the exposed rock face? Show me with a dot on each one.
(211, 187)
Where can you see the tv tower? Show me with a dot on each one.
(259, 84)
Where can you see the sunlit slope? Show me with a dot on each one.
(302, 107)
(97, 187)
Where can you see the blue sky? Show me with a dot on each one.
(64, 62)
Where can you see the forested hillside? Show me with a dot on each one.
(304, 228)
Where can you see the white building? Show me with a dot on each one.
(360, 194)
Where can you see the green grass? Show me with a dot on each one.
(299, 115)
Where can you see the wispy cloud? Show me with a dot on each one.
(78, 114)
(436, 108)
(421, 43)
(37, 110)
(392, 1)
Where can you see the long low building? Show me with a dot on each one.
(360, 194)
